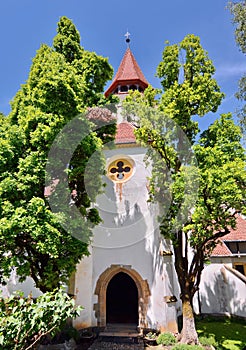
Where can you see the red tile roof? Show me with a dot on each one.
(49, 189)
(125, 133)
(100, 114)
(129, 69)
(221, 250)
(128, 72)
(237, 234)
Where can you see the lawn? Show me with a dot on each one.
(229, 333)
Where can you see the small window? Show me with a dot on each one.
(237, 247)
(233, 246)
(240, 268)
(124, 88)
(242, 247)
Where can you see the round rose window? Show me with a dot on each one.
(120, 168)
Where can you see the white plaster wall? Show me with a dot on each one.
(151, 266)
(83, 292)
(128, 236)
(13, 285)
(221, 292)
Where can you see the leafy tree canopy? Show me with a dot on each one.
(33, 238)
(238, 10)
(186, 76)
(67, 40)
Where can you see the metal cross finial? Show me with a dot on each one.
(127, 35)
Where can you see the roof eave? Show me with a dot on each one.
(116, 83)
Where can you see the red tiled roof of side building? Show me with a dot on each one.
(125, 133)
(128, 72)
(237, 234)
(221, 250)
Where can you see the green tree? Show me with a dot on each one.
(93, 70)
(238, 10)
(189, 89)
(198, 202)
(67, 40)
(33, 238)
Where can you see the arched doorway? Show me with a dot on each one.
(122, 300)
(101, 291)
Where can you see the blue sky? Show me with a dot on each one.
(26, 24)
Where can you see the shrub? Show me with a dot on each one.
(150, 335)
(166, 339)
(187, 347)
(208, 341)
(24, 321)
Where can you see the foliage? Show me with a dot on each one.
(208, 341)
(238, 10)
(221, 162)
(67, 40)
(189, 89)
(150, 335)
(228, 333)
(241, 95)
(200, 188)
(187, 347)
(34, 238)
(24, 321)
(166, 339)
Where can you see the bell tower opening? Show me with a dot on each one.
(122, 300)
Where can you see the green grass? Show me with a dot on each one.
(230, 334)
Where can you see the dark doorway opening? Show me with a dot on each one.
(122, 300)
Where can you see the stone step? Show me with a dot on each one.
(103, 344)
(131, 334)
(119, 337)
(120, 330)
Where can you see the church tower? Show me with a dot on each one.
(126, 279)
(129, 76)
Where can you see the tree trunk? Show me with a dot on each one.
(188, 334)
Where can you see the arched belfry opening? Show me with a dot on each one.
(122, 300)
(121, 285)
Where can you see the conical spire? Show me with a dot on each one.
(128, 76)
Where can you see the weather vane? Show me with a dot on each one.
(127, 35)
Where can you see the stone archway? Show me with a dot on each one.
(101, 290)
